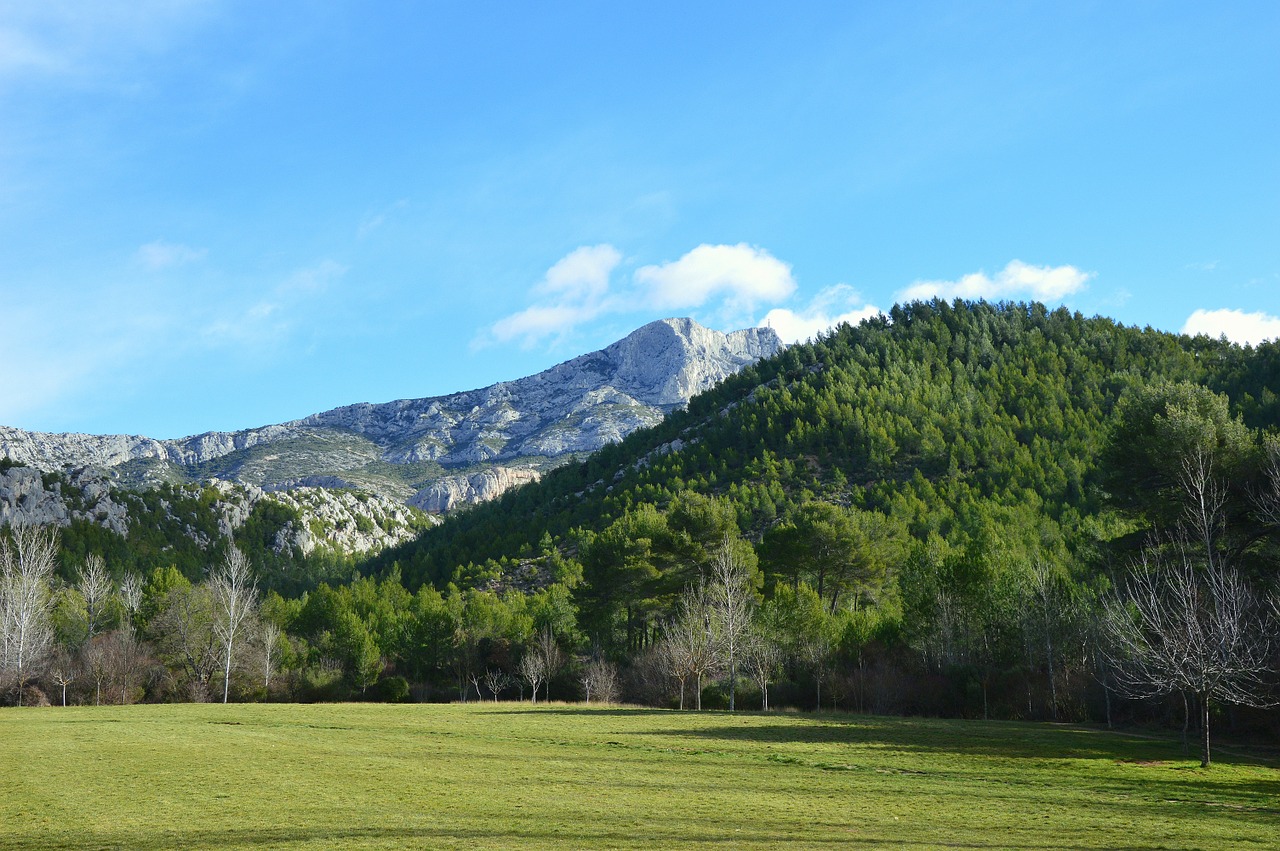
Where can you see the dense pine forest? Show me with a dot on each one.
(952, 509)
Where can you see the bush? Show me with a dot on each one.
(391, 690)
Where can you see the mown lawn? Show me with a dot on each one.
(509, 776)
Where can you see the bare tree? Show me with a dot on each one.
(127, 660)
(1186, 623)
(815, 652)
(95, 587)
(234, 596)
(733, 606)
(270, 636)
(26, 599)
(1048, 621)
(690, 640)
(496, 681)
(586, 676)
(63, 670)
(761, 657)
(131, 595)
(553, 658)
(94, 658)
(533, 670)
(599, 675)
(671, 656)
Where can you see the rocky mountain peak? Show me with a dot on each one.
(436, 451)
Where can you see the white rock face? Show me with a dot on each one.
(531, 423)
(340, 520)
(25, 499)
(450, 492)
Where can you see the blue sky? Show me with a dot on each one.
(216, 215)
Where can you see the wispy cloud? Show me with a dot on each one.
(166, 255)
(270, 319)
(573, 291)
(731, 279)
(88, 41)
(1016, 280)
(312, 279)
(376, 220)
(831, 307)
(1236, 325)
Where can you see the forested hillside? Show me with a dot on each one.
(942, 510)
(943, 417)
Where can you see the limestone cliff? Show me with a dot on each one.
(438, 452)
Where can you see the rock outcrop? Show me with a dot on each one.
(438, 452)
(29, 497)
(450, 492)
(341, 521)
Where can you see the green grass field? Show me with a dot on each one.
(490, 776)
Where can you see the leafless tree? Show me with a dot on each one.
(761, 657)
(26, 599)
(533, 670)
(599, 675)
(1048, 612)
(270, 636)
(733, 606)
(1185, 622)
(63, 670)
(553, 658)
(127, 661)
(94, 657)
(496, 681)
(815, 653)
(671, 656)
(690, 636)
(586, 676)
(95, 587)
(234, 597)
(131, 595)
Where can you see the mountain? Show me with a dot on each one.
(435, 453)
(961, 423)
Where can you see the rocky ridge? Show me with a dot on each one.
(341, 521)
(441, 452)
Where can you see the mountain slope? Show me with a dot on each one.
(435, 452)
(951, 419)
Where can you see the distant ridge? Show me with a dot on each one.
(436, 452)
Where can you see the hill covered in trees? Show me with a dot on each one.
(947, 418)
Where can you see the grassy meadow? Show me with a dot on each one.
(507, 776)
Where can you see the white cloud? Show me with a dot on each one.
(1236, 325)
(573, 291)
(828, 309)
(582, 274)
(741, 274)
(165, 255)
(1016, 280)
(731, 279)
(535, 323)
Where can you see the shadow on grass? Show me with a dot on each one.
(503, 838)
(999, 739)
